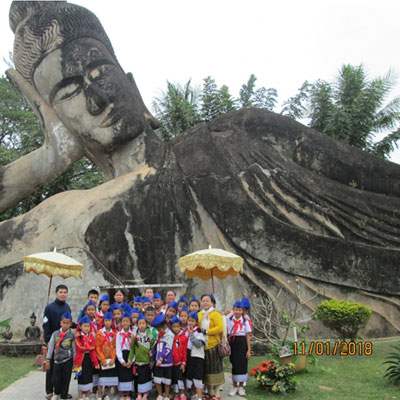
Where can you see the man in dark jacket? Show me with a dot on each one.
(51, 323)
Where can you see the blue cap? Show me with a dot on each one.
(126, 315)
(158, 320)
(182, 300)
(174, 320)
(84, 320)
(126, 307)
(105, 297)
(134, 310)
(174, 304)
(238, 304)
(184, 308)
(138, 299)
(141, 316)
(193, 299)
(90, 303)
(194, 315)
(108, 315)
(115, 306)
(67, 315)
(157, 296)
(146, 300)
(212, 296)
(245, 303)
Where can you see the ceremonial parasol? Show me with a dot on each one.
(209, 263)
(52, 264)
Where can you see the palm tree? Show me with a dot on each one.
(177, 109)
(352, 109)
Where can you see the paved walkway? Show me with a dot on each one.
(31, 387)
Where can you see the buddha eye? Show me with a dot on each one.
(101, 72)
(66, 89)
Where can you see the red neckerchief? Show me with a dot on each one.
(126, 336)
(238, 324)
(115, 325)
(93, 326)
(62, 336)
(186, 332)
(107, 337)
(160, 335)
(86, 341)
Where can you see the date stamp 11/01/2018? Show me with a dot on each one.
(320, 348)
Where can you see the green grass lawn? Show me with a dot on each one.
(13, 368)
(339, 377)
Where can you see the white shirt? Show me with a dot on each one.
(120, 347)
(238, 327)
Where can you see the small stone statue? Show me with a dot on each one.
(7, 334)
(32, 333)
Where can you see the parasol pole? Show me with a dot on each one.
(51, 278)
(48, 292)
(212, 281)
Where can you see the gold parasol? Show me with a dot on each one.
(52, 264)
(209, 263)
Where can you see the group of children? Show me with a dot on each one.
(129, 347)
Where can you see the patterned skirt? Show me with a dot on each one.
(213, 368)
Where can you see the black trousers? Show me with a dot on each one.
(49, 378)
(61, 378)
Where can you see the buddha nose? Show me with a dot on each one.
(96, 99)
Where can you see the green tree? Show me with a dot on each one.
(250, 97)
(20, 133)
(295, 106)
(215, 101)
(180, 107)
(177, 109)
(351, 109)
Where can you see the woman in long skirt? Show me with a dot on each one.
(211, 321)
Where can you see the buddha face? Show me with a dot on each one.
(91, 95)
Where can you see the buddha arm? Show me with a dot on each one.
(34, 170)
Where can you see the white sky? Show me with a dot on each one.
(282, 42)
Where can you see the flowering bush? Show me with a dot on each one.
(275, 378)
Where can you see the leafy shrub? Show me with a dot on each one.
(275, 378)
(344, 317)
(393, 371)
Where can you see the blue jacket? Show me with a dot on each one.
(52, 317)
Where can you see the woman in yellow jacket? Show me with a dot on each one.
(211, 321)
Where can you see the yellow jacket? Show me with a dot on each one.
(214, 332)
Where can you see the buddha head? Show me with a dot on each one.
(64, 52)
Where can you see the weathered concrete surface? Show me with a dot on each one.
(237, 184)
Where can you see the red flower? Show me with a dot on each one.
(253, 371)
(262, 368)
(265, 363)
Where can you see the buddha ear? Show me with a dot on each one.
(153, 121)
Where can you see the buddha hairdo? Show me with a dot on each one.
(43, 26)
